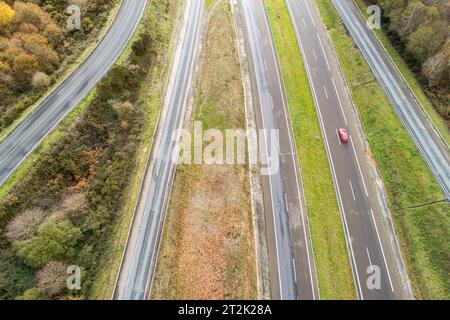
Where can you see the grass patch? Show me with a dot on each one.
(424, 233)
(410, 78)
(332, 262)
(207, 249)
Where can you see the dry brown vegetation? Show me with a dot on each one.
(207, 251)
(52, 278)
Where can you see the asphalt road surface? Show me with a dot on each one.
(140, 257)
(291, 258)
(57, 105)
(370, 250)
(428, 142)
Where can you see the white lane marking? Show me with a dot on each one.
(286, 201)
(370, 260)
(304, 23)
(333, 171)
(314, 53)
(340, 102)
(382, 250)
(323, 51)
(359, 167)
(326, 92)
(351, 188)
(310, 14)
(308, 248)
(295, 271)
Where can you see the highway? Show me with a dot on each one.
(141, 252)
(428, 142)
(368, 242)
(291, 259)
(29, 134)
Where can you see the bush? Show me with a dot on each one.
(24, 225)
(55, 240)
(32, 294)
(41, 80)
(52, 278)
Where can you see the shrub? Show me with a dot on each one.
(52, 278)
(32, 294)
(41, 80)
(24, 225)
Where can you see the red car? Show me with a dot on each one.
(343, 135)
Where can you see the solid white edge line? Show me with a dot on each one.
(382, 250)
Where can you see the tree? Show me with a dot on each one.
(28, 12)
(55, 240)
(389, 6)
(6, 14)
(74, 204)
(52, 278)
(41, 80)
(24, 225)
(437, 68)
(426, 40)
(410, 19)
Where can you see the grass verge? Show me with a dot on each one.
(332, 260)
(424, 232)
(207, 249)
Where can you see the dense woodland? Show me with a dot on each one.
(35, 45)
(420, 31)
(63, 212)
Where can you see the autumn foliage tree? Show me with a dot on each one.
(6, 14)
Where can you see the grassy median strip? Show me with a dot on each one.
(332, 260)
(207, 249)
(409, 77)
(424, 232)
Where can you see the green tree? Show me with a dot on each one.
(55, 240)
(427, 40)
(410, 19)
